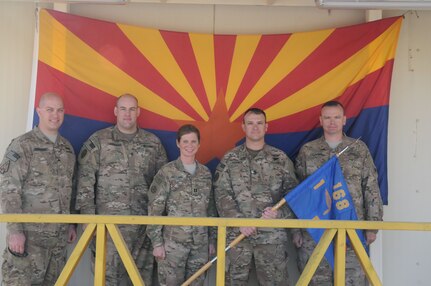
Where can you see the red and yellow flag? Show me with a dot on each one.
(210, 80)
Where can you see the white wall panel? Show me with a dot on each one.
(17, 22)
(407, 255)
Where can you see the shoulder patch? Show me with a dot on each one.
(221, 166)
(83, 153)
(153, 189)
(89, 145)
(216, 176)
(158, 180)
(4, 167)
(13, 156)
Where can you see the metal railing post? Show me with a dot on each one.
(100, 259)
(340, 258)
(221, 255)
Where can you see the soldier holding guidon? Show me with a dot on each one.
(361, 177)
(249, 180)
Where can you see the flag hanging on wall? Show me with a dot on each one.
(210, 80)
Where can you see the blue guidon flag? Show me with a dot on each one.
(324, 195)
(210, 80)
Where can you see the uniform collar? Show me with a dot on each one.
(179, 165)
(39, 134)
(345, 141)
(118, 135)
(244, 151)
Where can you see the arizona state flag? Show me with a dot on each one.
(324, 195)
(210, 80)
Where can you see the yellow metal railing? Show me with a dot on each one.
(103, 224)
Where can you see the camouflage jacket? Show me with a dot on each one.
(114, 173)
(358, 170)
(245, 186)
(36, 177)
(175, 192)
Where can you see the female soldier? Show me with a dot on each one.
(182, 188)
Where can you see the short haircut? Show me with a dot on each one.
(47, 95)
(254, 110)
(186, 129)
(332, 103)
(126, 95)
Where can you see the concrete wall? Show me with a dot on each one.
(17, 24)
(402, 258)
(407, 255)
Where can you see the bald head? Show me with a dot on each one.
(128, 97)
(127, 112)
(47, 96)
(51, 113)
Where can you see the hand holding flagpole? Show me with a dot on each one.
(242, 236)
(232, 244)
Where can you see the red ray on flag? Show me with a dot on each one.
(218, 134)
(210, 80)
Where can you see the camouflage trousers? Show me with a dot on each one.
(182, 261)
(140, 247)
(270, 263)
(323, 276)
(43, 264)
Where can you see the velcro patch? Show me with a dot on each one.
(13, 156)
(83, 153)
(89, 145)
(153, 189)
(221, 166)
(40, 149)
(216, 176)
(158, 180)
(4, 167)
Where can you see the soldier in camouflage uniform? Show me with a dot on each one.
(182, 188)
(116, 167)
(361, 177)
(249, 180)
(36, 177)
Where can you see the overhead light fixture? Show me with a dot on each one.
(374, 5)
(85, 1)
